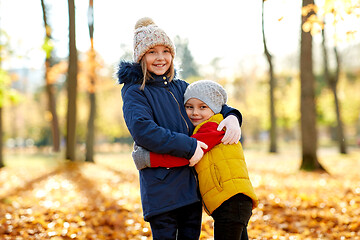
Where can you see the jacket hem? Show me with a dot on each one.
(168, 208)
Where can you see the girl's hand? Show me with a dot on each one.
(199, 153)
(232, 131)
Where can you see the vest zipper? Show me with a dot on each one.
(187, 126)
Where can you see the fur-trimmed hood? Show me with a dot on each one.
(129, 72)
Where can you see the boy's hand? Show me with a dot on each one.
(232, 130)
(199, 153)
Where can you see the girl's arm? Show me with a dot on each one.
(146, 132)
(232, 123)
(228, 111)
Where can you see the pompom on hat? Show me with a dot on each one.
(147, 35)
(210, 92)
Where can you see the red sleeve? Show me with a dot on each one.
(165, 160)
(209, 134)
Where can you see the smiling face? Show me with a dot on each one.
(197, 111)
(158, 59)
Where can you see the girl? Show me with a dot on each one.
(156, 118)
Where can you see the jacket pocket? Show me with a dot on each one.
(161, 173)
(216, 177)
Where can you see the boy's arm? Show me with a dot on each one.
(141, 157)
(145, 159)
(207, 133)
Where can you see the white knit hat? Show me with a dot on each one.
(148, 35)
(210, 92)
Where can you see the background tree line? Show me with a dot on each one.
(297, 103)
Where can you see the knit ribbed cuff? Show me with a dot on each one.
(141, 157)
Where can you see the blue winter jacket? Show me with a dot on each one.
(157, 121)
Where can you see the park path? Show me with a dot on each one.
(70, 201)
(101, 201)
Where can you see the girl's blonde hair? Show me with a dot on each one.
(147, 76)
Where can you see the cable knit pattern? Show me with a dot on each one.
(210, 92)
(148, 35)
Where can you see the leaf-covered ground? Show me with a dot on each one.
(50, 199)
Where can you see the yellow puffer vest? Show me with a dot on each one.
(222, 173)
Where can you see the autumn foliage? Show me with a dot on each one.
(61, 200)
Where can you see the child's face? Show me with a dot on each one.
(158, 59)
(197, 111)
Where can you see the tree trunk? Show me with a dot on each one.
(54, 120)
(1, 127)
(333, 80)
(91, 89)
(91, 129)
(50, 90)
(1, 140)
(273, 132)
(307, 103)
(71, 87)
(339, 127)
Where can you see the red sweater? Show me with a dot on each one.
(207, 134)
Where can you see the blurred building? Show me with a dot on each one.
(26, 80)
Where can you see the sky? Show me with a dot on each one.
(229, 29)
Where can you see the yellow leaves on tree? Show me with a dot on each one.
(342, 15)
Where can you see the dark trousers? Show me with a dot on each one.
(232, 217)
(181, 224)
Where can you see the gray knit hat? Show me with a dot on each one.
(148, 35)
(210, 92)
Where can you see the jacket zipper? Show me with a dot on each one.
(187, 126)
